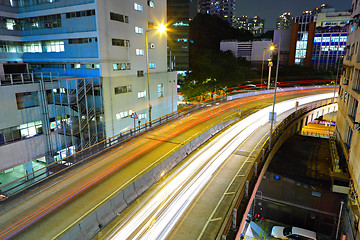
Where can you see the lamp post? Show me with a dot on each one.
(161, 28)
(273, 108)
(269, 77)
(271, 48)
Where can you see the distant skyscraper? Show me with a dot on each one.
(222, 8)
(285, 21)
(178, 15)
(255, 25)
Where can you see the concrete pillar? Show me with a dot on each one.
(28, 167)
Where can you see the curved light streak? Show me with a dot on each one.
(156, 218)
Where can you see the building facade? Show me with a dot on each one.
(319, 40)
(85, 73)
(255, 25)
(223, 8)
(284, 21)
(178, 17)
(255, 52)
(348, 119)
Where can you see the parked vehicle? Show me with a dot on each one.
(292, 233)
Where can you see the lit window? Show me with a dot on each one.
(138, 7)
(121, 66)
(76, 65)
(160, 90)
(139, 30)
(10, 23)
(139, 52)
(142, 94)
(152, 65)
(142, 116)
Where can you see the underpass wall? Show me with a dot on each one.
(91, 224)
(293, 128)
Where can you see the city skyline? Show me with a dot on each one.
(270, 11)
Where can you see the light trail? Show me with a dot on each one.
(155, 218)
(141, 147)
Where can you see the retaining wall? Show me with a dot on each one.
(91, 224)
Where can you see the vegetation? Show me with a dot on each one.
(212, 69)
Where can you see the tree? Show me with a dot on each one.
(214, 70)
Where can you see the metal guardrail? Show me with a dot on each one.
(25, 78)
(22, 185)
(229, 229)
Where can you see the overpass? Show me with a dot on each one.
(91, 195)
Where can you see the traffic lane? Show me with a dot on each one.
(131, 229)
(66, 194)
(83, 187)
(206, 214)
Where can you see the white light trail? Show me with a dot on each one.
(156, 217)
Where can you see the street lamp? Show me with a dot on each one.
(273, 108)
(161, 29)
(269, 77)
(271, 48)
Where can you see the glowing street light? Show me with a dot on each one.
(271, 49)
(161, 29)
(273, 114)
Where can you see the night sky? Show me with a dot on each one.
(271, 9)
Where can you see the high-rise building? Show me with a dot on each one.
(178, 17)
(255, 25)
(319, 40)
(348, 122)
(80, 73)
(222, 8)
(284, 21)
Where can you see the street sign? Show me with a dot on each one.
(134, 115)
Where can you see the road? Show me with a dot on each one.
(157, 215)
(61, 203)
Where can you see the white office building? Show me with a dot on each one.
(73, 72)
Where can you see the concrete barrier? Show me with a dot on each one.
(89, 226)
(105, 214)
(72, 233)
(118, 203)
(92, 223)
(130, 194)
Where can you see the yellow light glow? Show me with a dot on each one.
(161, 28)
(272, 48)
